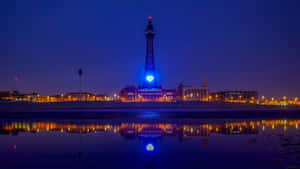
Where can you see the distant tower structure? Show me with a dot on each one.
(150, 80)
(150, 90)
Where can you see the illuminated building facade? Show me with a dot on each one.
(169, 95)
(193, 93)
(132, 94)
(245, 96)
(128, 94)
(80, 96)
(69, 97)
(7, 95)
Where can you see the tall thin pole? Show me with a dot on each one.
(80, 83)
(16, 79)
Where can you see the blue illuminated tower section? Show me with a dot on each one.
(150, 80)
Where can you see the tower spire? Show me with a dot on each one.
(149, 28)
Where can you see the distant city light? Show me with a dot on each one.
(149, 147)
(149, 78)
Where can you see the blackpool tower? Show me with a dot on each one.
(150, 80)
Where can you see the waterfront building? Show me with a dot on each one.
(84, 96)
(132, 94)
(193, 93)
(31, 97)
(235, 96)
(7, 95)
(79, 96)
(36, 97)
(169, 95)
(149, 94)
(128, 94)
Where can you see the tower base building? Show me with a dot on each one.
(193, 93)
(146, 94)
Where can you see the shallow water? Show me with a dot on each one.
(146, 141)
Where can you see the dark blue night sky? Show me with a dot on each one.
(237, 45)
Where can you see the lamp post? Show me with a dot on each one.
(16, 79)
(80, 83)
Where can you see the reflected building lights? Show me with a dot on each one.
(183, 130)
(139, 127)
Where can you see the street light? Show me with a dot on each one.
(80, 76)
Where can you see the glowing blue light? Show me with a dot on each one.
(149, 78)
(149, 147)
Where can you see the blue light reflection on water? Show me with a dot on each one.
(150, 147)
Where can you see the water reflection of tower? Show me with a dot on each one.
(80, 147)
(150, 160)
(150, 149)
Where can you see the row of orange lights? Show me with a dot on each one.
(91, 127)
